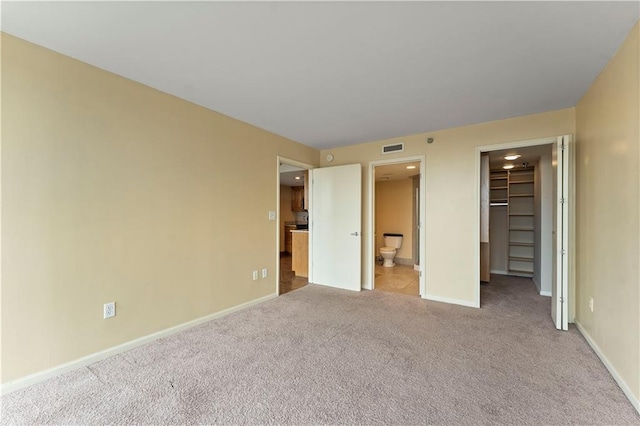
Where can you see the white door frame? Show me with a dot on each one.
(522, 144)
(295, 163)
(369, 251)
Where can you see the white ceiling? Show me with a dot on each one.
(396, 171)
(288, 174)
(337, 73)
(289, 178)
(530, 154)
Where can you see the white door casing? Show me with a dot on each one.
(335, 215)
(560, 288)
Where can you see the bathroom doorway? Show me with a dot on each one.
(396, 212)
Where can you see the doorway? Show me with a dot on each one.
(396, 208)
(523, 210)
(292, 253)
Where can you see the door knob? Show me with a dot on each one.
(355, 234)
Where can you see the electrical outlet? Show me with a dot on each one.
(272, 215)
(264, 272)
(255, 275)
(109, 310)
(591, 304)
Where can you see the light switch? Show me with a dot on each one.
(272, 215)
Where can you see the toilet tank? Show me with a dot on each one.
(393, 240)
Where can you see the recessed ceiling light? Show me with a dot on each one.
(411, 167)
(511, 157)
(297, 177)
(508, 166)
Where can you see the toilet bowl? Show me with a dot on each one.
(388, 253)
(392, 242)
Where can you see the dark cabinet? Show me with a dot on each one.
(297, 199)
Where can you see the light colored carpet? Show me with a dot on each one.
(325, 356)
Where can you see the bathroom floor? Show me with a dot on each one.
(288, 280)
(398, 279)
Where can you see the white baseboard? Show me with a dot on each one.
(495, 271)
(451, 301)
(545, 293)
(625, 388)
(43, 375)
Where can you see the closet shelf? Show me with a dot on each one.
(521, 244)
(520, 214)
(520, 195)
(522, 271)
(498, 178)
(520, 228)
(498, 187)
(521, 259)
(521, 181)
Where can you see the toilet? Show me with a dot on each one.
(392, 242)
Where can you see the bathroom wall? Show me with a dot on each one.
(394, 211)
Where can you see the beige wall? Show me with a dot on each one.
(113, 191)
(607, 212)
(450, 192)
(394, 213)
(286, 214)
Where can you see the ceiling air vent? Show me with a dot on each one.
(396, 147)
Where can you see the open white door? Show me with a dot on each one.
(560, 289)
(335, 215)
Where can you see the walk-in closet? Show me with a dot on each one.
(521, 214)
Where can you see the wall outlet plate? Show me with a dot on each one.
(264, 272)
(109, 310)
(255, 275)
(272, 215)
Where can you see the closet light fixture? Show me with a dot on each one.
(297, 177)
(512, 157)
(508, 166)
(411, 167)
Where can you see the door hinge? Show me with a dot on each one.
(562, 147)
(561, 299)
(563, 251)
(562, 200)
